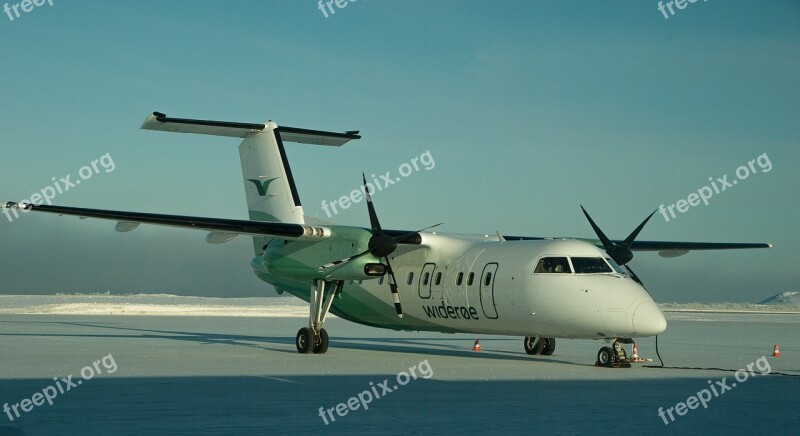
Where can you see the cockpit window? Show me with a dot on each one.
(616, 266)
(590, 265)
(553, 265)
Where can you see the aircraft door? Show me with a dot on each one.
(425, 279)
(488, 278)
(437, 279)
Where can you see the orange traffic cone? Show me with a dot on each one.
(477, 346)
(776, 352)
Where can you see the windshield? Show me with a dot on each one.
(590, 265)
(616, 266)
(553, 265)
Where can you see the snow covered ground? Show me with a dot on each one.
(219, 374)
(149, 304)
(287, 307)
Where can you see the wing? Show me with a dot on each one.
(222, 230)
(664, 248)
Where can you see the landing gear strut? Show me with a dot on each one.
(314, 338)
(543, 346)
(614, 356)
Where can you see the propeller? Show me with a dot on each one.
(621, 254)
(381, 246)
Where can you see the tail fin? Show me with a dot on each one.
(268, 182)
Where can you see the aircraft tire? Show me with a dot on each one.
(605, 357)
(528, 343)
(321, 345)
(532, 345)
(550, 346)
(304, 340)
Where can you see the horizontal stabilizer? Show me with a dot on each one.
(161, 122)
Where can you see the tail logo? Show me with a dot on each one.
(262, 186)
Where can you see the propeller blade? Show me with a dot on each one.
(373, 217)
(380, 244)
(607, 244)
(629, 240)
(620, 254)
(393, 286)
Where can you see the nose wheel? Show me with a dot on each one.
(613, 356)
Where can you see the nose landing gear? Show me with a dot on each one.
(614, 356)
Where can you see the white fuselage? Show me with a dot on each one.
(455, 283)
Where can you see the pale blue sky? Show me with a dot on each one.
(528, 108)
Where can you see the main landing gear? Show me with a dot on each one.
(543, 346)
(314, 338)
(614, 356)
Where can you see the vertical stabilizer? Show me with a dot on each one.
(268, 182)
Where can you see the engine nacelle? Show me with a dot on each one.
(304, 259)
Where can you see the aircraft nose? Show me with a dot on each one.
(648, 319)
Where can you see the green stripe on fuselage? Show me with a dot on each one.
(357, 305)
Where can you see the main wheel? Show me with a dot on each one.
(321, 343)
(605, 357)
(533, 346)
(550, 346)
(304, 340)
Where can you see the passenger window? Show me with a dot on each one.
(470, 278)
(438, 279)
(410, 277)
(459, 278)
(488, 279)
(425, 278)
(553, 265)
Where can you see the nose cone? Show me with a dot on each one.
(648, 320)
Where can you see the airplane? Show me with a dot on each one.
(539, 288)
